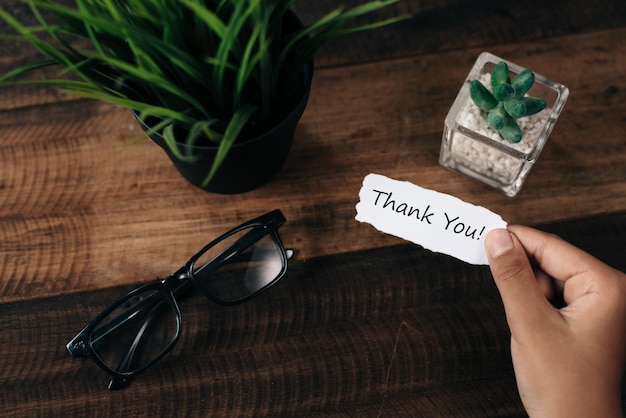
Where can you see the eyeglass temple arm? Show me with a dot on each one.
(118, 382)
(239, 246)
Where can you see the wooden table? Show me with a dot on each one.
(363, 324)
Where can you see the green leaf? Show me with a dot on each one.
(230, 136)
(515, 107)
(511, 131)
(481, 96)
(523, 82)
(500, 75)
(533, 105)
(497, 117)
(170, 141)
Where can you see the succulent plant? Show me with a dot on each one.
(507, 100)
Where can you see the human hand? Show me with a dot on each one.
(568, 361)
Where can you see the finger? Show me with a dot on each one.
(546, 283)
(552, 289)
(556, 257)
(524, 301)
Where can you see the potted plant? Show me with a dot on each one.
(218, 84)
(499, 123)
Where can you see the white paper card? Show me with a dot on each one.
(437, 221)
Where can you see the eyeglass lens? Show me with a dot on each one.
(250, 261)
(136, 332)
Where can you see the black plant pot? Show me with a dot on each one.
(250, 163)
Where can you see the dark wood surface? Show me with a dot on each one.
(362, 325)
(386, 332)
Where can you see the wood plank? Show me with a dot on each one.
(81, 208)
(396, 331)
(435, 26)
(447, 25)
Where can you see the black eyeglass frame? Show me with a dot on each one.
(81, 344)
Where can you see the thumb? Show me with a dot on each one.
(524, 302)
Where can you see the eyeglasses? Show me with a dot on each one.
(142, 327)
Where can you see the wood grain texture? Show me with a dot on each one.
(362, 324)
(387, 332)
(439, 26)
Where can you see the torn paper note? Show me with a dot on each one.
(436, 221)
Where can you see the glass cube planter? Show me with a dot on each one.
(471, 147)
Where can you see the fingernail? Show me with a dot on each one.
(498, 242)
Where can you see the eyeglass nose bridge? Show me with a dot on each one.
(177, 282)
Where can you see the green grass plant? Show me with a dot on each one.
(208, 72)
